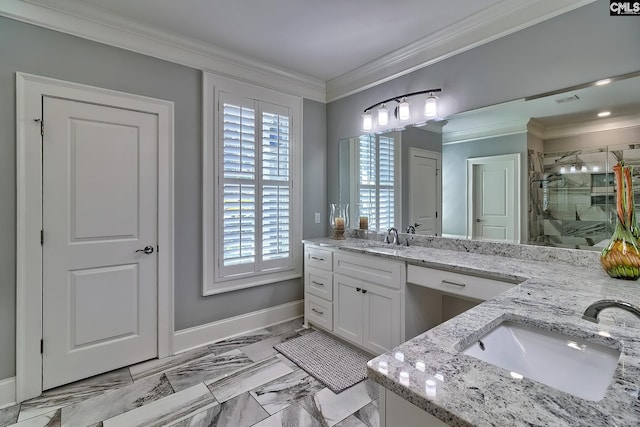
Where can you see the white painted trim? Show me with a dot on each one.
(506, 17)
(29, 92)
(213, 282)
(7, 392)
(492, 130)
(198, 336)
(600, 125)
(134, 36)
(499, 20)
(517, 208)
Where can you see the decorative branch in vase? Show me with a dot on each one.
(621, 257)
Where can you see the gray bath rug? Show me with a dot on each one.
(334, 364)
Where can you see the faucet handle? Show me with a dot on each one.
(386, 239)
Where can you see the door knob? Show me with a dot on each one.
(147, 250)
(479, 220)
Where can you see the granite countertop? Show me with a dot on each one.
(551, 295)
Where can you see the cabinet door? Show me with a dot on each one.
(348, 308)
(381, 311)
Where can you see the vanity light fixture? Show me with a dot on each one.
(563, 169)
(572, 168)
(402, 111)
(367, 121)
(596, 168)
(383, 115)
(583, 168)
(431, 106)
(604, 113)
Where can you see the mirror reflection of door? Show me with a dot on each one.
(424, 191)
(494, 198)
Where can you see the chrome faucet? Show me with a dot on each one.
(412, 228)
(395, 241)
(592, 312)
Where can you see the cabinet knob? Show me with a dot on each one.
(358, 289)
(364, 291)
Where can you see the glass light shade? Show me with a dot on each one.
(367, 121)
(404, 113)
(383, 115)
(431, 107)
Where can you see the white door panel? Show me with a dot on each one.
(494, 198)
(424, 192)
(99, 207)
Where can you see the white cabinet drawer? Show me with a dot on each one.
(318, 258)
(369, 268)
(463, 285)
(319, 282)
(319, 311)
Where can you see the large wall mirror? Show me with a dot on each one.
(565, 194)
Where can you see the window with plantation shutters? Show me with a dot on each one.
(376, 157)
(256, 224)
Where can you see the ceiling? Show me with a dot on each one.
(319, 39)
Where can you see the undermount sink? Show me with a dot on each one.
(571, 365)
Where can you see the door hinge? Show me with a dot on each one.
(157, 248)
(41, 346)
(436, 214)
(41, 237)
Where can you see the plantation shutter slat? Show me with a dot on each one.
(376, 193)
(255, 186)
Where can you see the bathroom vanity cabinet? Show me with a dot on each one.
(356, 297)
(367, 307)
(377, 302)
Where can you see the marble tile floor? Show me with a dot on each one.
(238, 382)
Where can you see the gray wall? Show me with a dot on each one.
(35, 50)
(314, 165)
(577, 47)
(454, 178)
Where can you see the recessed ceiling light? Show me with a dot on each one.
(603, 82)
(604, 114)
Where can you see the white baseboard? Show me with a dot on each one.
(198, 336)
(7, 392)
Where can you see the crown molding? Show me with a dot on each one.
(535, 128)
(490, 24)
(600, 125)
(493, 130)
(107, 29)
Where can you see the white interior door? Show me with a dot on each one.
(99, 209)
(494, 198)
(424, 191)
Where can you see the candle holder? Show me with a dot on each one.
(338, 220)
(363, 217)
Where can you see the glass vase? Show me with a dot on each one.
(338, 220)
(621, 258)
